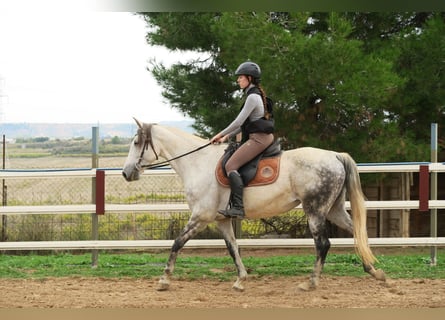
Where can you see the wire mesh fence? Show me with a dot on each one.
(157, 189)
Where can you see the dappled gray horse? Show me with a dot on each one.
(318, 179)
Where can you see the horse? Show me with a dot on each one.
(317, 179)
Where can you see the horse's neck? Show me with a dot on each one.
(173, 143)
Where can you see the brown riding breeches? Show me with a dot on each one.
(257, 143)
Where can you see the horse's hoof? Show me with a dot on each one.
(306, 286)
(163, 285)
(237, 286)
(380, 275)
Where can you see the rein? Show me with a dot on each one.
(164, 163)
(148, 141)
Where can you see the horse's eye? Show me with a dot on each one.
(136, 141)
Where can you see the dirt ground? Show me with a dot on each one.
(333, 292)
(260, 292)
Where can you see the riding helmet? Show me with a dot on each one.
(250, 69)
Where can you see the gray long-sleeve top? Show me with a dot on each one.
(253, 109)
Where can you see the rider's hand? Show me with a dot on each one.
(224, 139)
(219, 139)
(216, 139)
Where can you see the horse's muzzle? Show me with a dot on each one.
(125, 176)
(130, 175)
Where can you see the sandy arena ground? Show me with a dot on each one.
(333, 292)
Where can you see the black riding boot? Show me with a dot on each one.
(236, 209)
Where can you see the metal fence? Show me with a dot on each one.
(63, 200)
(55, 205)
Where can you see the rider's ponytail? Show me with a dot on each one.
(256, 82)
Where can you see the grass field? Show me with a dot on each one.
(54, 162)
(405, 263)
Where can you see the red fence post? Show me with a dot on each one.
(424, 187)
(100, 192)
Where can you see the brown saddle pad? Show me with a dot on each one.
(268, 170)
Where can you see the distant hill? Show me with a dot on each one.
(72, 130)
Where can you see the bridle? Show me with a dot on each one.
(144, 134)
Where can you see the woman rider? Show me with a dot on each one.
(255, 124)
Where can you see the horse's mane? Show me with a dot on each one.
(182, 133)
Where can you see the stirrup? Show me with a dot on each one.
(234, 213)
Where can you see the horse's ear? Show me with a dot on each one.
(138, 123)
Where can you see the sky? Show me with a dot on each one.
(80, 66)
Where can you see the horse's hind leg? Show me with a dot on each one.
(317, 226)
(225, 226)
(189, 231)
(340, 217)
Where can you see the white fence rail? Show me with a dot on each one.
(183, 207)
(156, 244)
(213, 244)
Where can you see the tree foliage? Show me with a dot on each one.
(368, 84)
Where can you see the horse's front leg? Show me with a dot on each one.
(190, 230)
(225, 226)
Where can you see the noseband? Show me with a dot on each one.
(144, 135)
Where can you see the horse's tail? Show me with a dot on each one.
(358, 209)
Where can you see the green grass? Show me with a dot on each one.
(145, 265)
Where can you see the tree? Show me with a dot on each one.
(422, 64)
(336, 78)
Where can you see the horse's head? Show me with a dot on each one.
(142, 152)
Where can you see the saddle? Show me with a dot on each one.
(261, 170)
